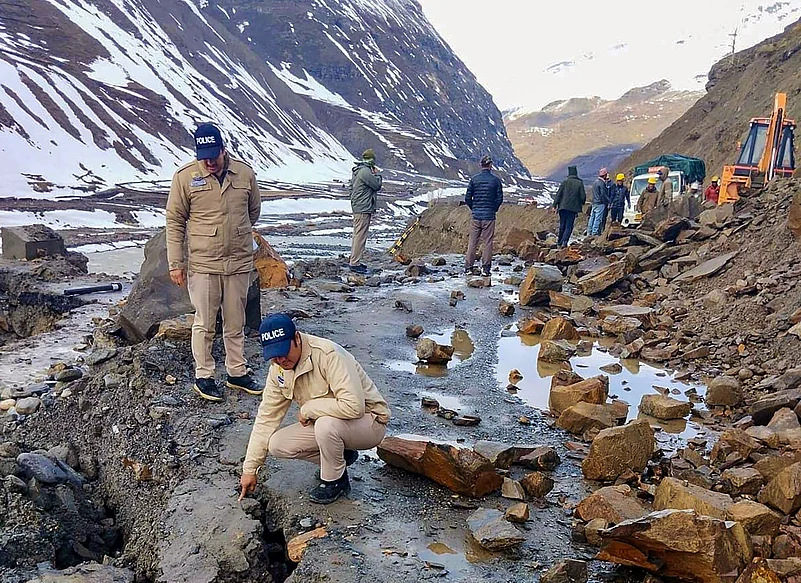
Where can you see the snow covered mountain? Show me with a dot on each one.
(96, 92)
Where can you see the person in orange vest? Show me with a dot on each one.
(713, 190)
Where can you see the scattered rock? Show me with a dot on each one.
(742, 481)
(100, 355)
(679, 544)
(68, 375)
(540, 280)
(592, 531)
(724, 391)
(433, 353)
(613, 368)
(734, 440)
(673, 493)
(756, 518)
(758, 572)
(537, 484)
(503, 455)
(617, 325)
(414, 331)
(583, 417)
(559, 328)
(670, 228)
(556, 352)
(530, 325)
(566, 571)
(492, 531)
(784, 491)
(28, 405)
(84, 573)
(505, 308)
(763, 409)
(518, 513)
(542, 458)
(603, 279)
(417, 269)
(592, 390)
(297, 545)
(461, 470)
(611, 503)
(618, 450)
(706, 269)
(664, 408)
(512, 490)
(45, 470)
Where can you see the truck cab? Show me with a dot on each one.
(631, 216)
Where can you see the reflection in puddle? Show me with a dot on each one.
(426, 370)
(456, 556)
(630, 384)
(440, 549)
(446, 401)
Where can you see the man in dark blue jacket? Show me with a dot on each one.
(484, 197)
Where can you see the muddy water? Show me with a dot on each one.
(635, 380)
(456, 337)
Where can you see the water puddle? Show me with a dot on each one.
(456, 556)
(634, 379)
(456, 337)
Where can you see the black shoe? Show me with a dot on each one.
(486, 272)
(360, 269)
(328, 492)
(351, 455)
(245, 383)
(208, 389)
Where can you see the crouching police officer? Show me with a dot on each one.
(341, 410)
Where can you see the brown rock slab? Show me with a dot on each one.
(506, 309)
(706, 269)
(492, 531)
(556, 351)
(530, 325)
(592, 531)
(601, 280)
(611, 503)
(616, 325)
(177, 329)
(537, 484)
(724, 391)
(664, 408)
(673, 493)
(743, 481)
(433, 353)
(560, 301)
(762, 410)
(273, 271)
(539, 281)
(512, 490)
(756, 518)
(670, 228)
(618, 450)
(518, 513)
(758, 572)
(414, 331)
(592, 390)
(559, 328)
(566, 571)
(503, 455)
(770, 465)
(734, 440)
(297, 545)
(583, 417)
(784, 491)
(643, 314)
(786, 567)
(461, 470)
(679, 544)
(784, 420)
(542, 458)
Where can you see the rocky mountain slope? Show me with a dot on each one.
(592, 132)
(739, 88)
(100, 91)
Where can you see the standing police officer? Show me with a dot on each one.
(213, 205)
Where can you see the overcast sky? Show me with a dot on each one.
(515, 46)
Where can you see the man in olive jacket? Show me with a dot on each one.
(366, 183)
(340, 408)
(213, 204)
(569, 201)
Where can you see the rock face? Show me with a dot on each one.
(664, 408)
(492, 531)
(673, 493)
(460, 470)
(433, 353)
(612, 503)
(679, 544)
(592, 390)
(784, 491)
(154, 297)
(539, 281)
(618, 450)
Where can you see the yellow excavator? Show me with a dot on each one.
(767, 152)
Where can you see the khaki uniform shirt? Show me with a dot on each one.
(327, 381)
(214, 220)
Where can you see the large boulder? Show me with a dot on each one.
(619, 450)
(756, 518)
(763, 410)
(273, 271)
(784, 491)
(492, 531)
(664, 408)
(583, 417)
(724, 391)
(503, 455)
(559, 328)
(539, 281)
(673, 493)
(612, 503)
(680, 544)
(670, 228)
(556, 351)
(601, 280)
(459, 469)
(154, 297)
(592, 390)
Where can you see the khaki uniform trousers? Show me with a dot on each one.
(483, 233)
(361, 225)
(324, 442)
(207, 292)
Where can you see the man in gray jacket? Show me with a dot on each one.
(366, 183)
